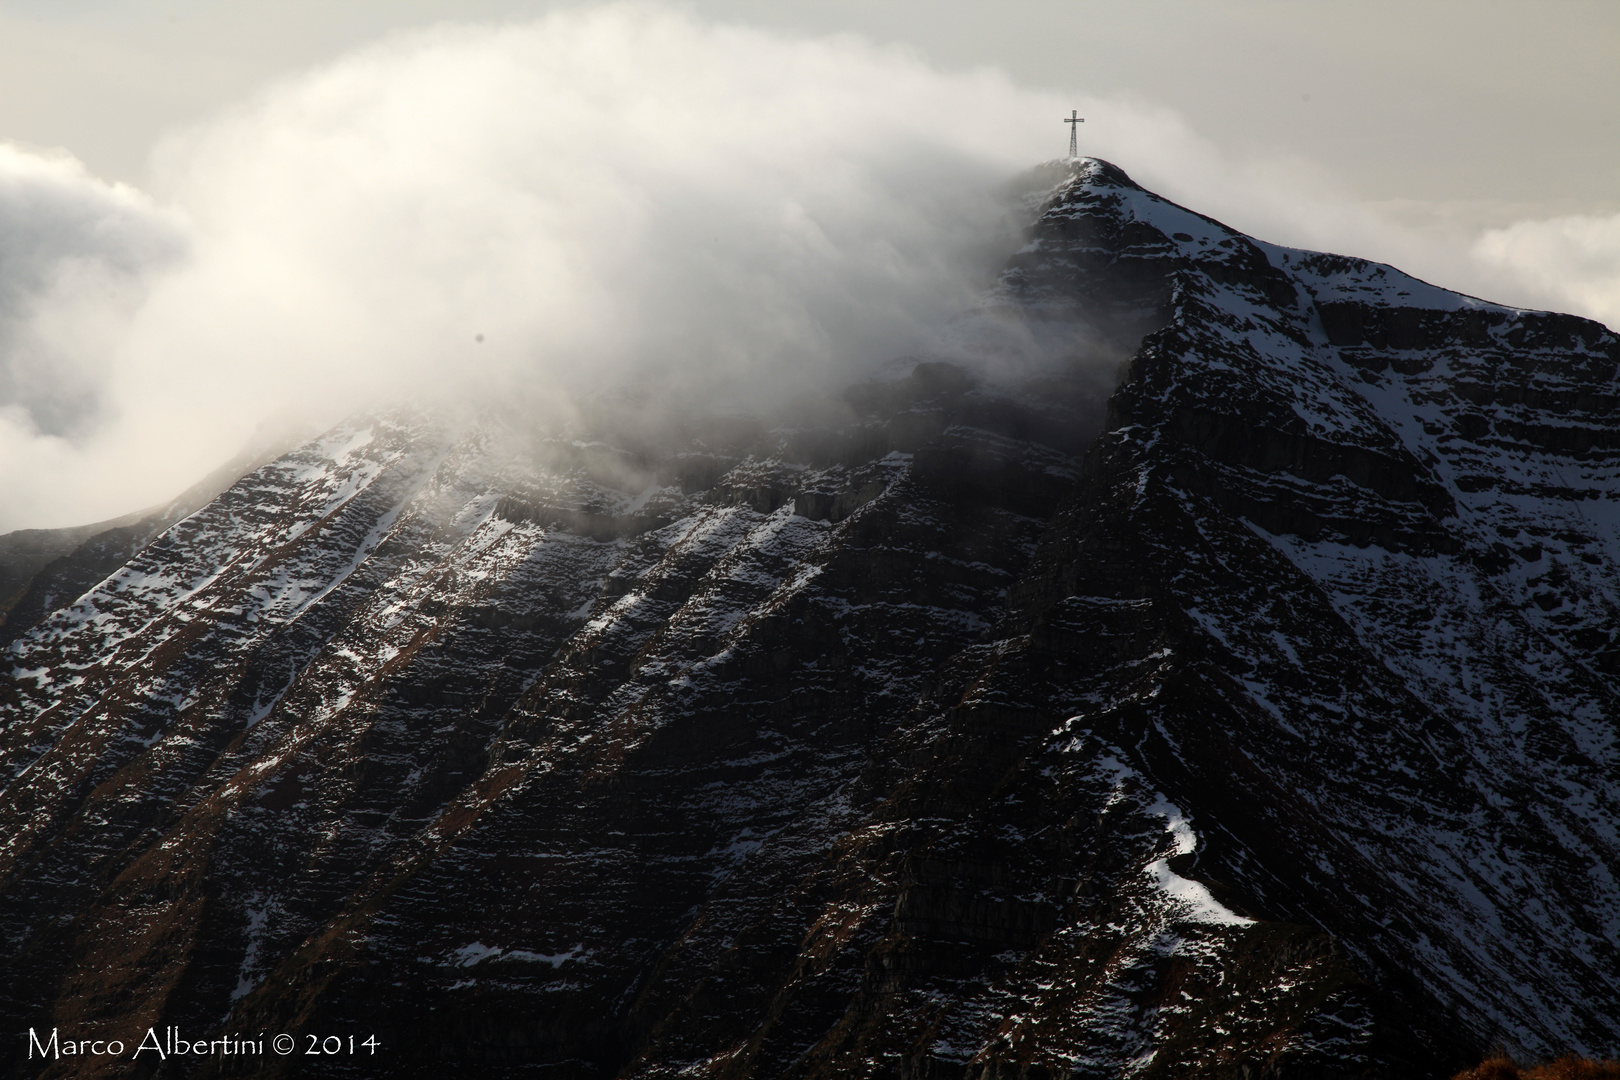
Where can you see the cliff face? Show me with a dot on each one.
(1271, 733)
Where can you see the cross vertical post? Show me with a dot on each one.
(1074, 119)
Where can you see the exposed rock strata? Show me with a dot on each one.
(1275, 734)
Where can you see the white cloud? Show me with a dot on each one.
(614, 194)
(76, 255)
(1571, 262)
(73, 252)
(617, 193)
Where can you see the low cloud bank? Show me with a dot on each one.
(1570, 263)
(76, 258)
(543, 211)
(624, 195)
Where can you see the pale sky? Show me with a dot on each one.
(1476, 111)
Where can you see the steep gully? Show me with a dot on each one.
(1271, 733)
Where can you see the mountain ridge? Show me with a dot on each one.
(1272, 731)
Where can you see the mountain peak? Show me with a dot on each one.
(1270, 731)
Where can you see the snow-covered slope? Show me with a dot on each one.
(1272, 732)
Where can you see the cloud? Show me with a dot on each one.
(76, 255)
(622, 194)
(1572, 262)
(617, 195)
(73, 250)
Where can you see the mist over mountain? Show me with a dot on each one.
(618, 196)
(466, 215)
(1200, 661)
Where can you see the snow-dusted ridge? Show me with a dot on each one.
(1274, 732)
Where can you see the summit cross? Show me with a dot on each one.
(1074, 119)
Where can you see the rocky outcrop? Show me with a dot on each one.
(1266, 727)
(44, 569)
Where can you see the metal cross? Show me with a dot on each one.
(1074, 118)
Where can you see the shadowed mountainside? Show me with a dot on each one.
(1271, 732)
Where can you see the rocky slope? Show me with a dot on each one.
(1271, 733)
(44, 569)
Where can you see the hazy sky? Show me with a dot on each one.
(1488, 111)
(213, 215)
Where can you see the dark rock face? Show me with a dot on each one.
(1272, 733)
(44, 569)
(33, 581)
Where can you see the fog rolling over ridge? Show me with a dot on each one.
(1266, 734)
(540, 212)
(468, 214)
